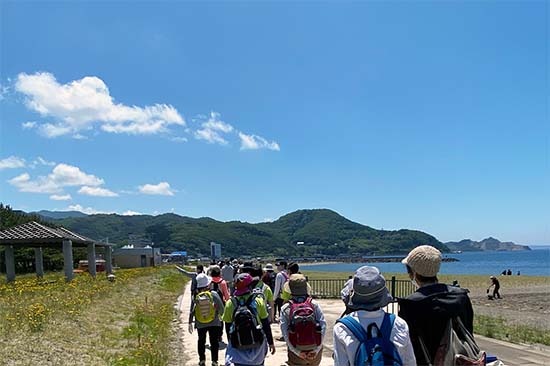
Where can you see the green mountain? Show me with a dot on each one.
(490, 243)
(300, 233)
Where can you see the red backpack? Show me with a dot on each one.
(304, 329)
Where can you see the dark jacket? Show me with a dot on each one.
(427, 312)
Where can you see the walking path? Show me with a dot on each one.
(509, 353)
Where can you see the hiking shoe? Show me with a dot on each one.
(214, 363)
(281, 339)
(202, 363)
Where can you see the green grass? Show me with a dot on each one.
(91, 321)
(499, 328)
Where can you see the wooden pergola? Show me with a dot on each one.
(38, 236)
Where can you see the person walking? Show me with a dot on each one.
(228, 274)
(206, 310)
(428, 310)
(280, 280)
(303, 325)
(496, 284)
(269, 276)
(246, 320)
(366, 318)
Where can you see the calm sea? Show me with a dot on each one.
(534, 262)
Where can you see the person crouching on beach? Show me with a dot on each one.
(302, 325)
(206, 309)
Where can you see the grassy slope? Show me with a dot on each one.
(90, 322)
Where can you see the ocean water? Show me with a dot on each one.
(534, 262)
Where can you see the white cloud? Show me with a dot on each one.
(81, 104)
(63, 175)
(212, 130)
(41, 161)
(131, 213)
(57, 197)
(86, 210)
(28, 125)
(97, 192)
(179, 139)
(4, 90)
(12, 162)
(163, 189)
(254, 142)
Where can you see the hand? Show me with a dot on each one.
(190, 328)
(311, 355)
(272, 349)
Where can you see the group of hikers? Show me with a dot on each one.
(246, 299)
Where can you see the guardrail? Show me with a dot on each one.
(331, 288)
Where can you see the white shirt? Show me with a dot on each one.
(280, 280)
(346, 345)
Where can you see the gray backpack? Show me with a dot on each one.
(457, 347)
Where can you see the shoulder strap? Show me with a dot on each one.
(387, 325)
(355, 327)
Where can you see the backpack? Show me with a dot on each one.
(270, 279)
(377, 349)
(245, 332)
(304, 331)
(205, 310)
(216, 287)
(457, 347)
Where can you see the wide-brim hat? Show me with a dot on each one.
(242, 284)
(369, 291)
(203, 280)
(268, 267)
(297, 285)
(247, 266)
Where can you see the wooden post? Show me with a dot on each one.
(91, 259)
(68, 259)
(10, 263)
(39, 262)
(108, 260)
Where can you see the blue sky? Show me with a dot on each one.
(424, 115)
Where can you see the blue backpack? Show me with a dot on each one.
(377, 349)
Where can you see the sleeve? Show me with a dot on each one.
(469, 316)
(225, 291)
(227, 316)
(262, 309)
(340, 348)
(402, 341)
(191, 312)
(285, 295)
(219, 304)
(268, 294)
(322, 323)
(278, 284)
(284, 322)
(267, 330)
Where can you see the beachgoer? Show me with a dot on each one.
(519, 273)
(496, 284)
(293, 268)
(368, 297)
(304, 338)
(243, 313)
(429, 309)
(206, 310)
(280, 280)
(509, 272)
(262, 289)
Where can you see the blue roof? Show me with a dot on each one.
(182, 253)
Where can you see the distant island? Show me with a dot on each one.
(490, 243)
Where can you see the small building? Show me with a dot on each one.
(215, 250)
(130, 257)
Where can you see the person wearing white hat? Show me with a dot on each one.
(206, 309)
(428, 310)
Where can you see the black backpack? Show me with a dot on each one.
(245, 332)
(271, 280)
(217, 289)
